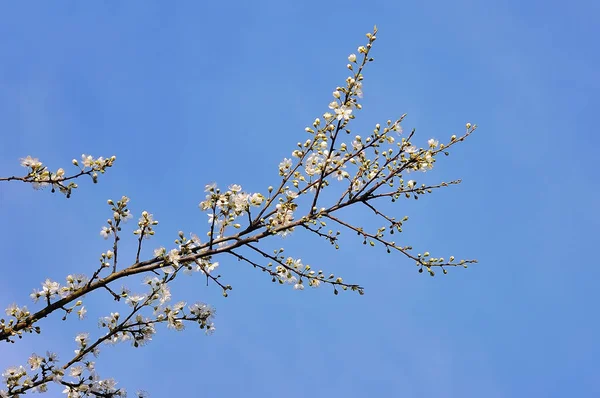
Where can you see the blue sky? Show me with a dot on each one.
(189, 93)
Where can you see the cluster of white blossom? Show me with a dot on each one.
(282, 218)
(146, 224)
(51, 289)
(40, 176)
(224, 208)
(120, 214)
(84, 381)
(292, 271)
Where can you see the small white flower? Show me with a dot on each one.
(164, 293)
(52, 356)
(105, 232)
(352, 57)
(235, 188)
(50, 288)
(82, 339)
(291, 195)
(35, 361)
(343, 112)
(398, 128)
(88, 160)
(285, 165)
(357, 185)
(167, 269)
(341, 174)
(174, 256)
(211, 267)
(126, 215)
(134, 299)
(30, 162)
(35, 296)
(76, 371)
(256, 199)
(211, 218)
(81, 312)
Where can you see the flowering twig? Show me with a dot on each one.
(363, 170)
(40, 176)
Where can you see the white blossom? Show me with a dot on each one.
(35, 361)
(30, 162)
(285, 165)
(82, 339)
(88, 160)
(134, 299)
(410, 149)
(50, 288)
(76, 371)
(235, 188)
(343, 112)
(174, 256)
(105, 232)
(81, 312)
(256, 199)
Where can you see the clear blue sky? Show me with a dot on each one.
(186, 93)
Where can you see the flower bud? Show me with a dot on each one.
(352, 58)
